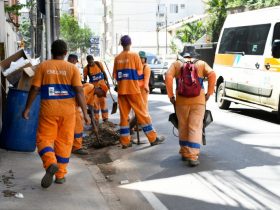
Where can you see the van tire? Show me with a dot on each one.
(222, 104)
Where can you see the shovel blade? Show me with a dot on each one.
(114, 108)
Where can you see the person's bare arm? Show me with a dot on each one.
(31, 97)
(82, 102)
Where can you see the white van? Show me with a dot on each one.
(247, 60)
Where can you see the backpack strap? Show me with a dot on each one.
(88, 68)
(102, 71)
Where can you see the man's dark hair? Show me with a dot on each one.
(89, 57)
(72, 56)
(59, 47)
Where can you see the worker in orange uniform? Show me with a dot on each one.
(91, 94)
(59, 83)
(190, 110)
(95, 71)
(144, 86)
(128, 70)
(79, 125)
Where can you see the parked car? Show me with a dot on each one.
(158, 68)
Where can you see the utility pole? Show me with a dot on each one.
(158, 28)
(48, 29)
(166, 30)
(52, 19)
(105, 29)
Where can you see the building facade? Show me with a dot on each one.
(110, 19)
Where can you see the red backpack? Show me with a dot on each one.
(188, 84)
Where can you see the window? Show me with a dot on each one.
(276, 33)
(174, 8)
(183, 6)
(248, 39)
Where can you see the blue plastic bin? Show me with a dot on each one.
(17, 133)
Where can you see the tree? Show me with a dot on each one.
(217, 10)
(191, 32)
(76, 36)
(26, 33)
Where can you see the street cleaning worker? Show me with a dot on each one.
(190, 110)
(144, 86)
(79, 125)
(59, 83)
(128, 70)
(91, 95)
(95, 71)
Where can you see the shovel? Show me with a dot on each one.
(94, 125)
(110, 74)
(115, 104)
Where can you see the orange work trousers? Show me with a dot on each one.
(100, 105)
(78, 132)
(135, 102)
(54, 141)
(190, 119)
(145, 98)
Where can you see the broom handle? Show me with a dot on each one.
(110, 73)
(111, 95)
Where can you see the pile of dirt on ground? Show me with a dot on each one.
(6, 178)
(108, 135)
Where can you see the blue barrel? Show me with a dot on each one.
(17, 133)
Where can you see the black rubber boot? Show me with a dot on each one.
(158, 140)
(47, 180)
(60, 180)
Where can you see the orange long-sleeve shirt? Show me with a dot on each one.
(147, 74)
(204, 70)
(128, 70)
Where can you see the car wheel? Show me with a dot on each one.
(163, 91)
(222, 104)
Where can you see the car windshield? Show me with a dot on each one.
(152, 59)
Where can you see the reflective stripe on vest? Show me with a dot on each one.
(57, 91)
(96, 77)
(127, 74)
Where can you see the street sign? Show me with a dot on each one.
(94, 40)
(94, 46)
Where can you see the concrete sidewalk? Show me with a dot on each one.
(22, 172)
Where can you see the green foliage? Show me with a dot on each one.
(173, 47)
(217, 10)
(14, 9)
(191, 32)
(25, 32)
(75, 36)
(217, 15)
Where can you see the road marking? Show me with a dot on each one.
(154, 201)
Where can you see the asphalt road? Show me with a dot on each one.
(239, 165)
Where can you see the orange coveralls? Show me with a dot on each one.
(56, 79)
(128, 70)
(96, 78)
(145, 82)
(79, 127)
(190, 111)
